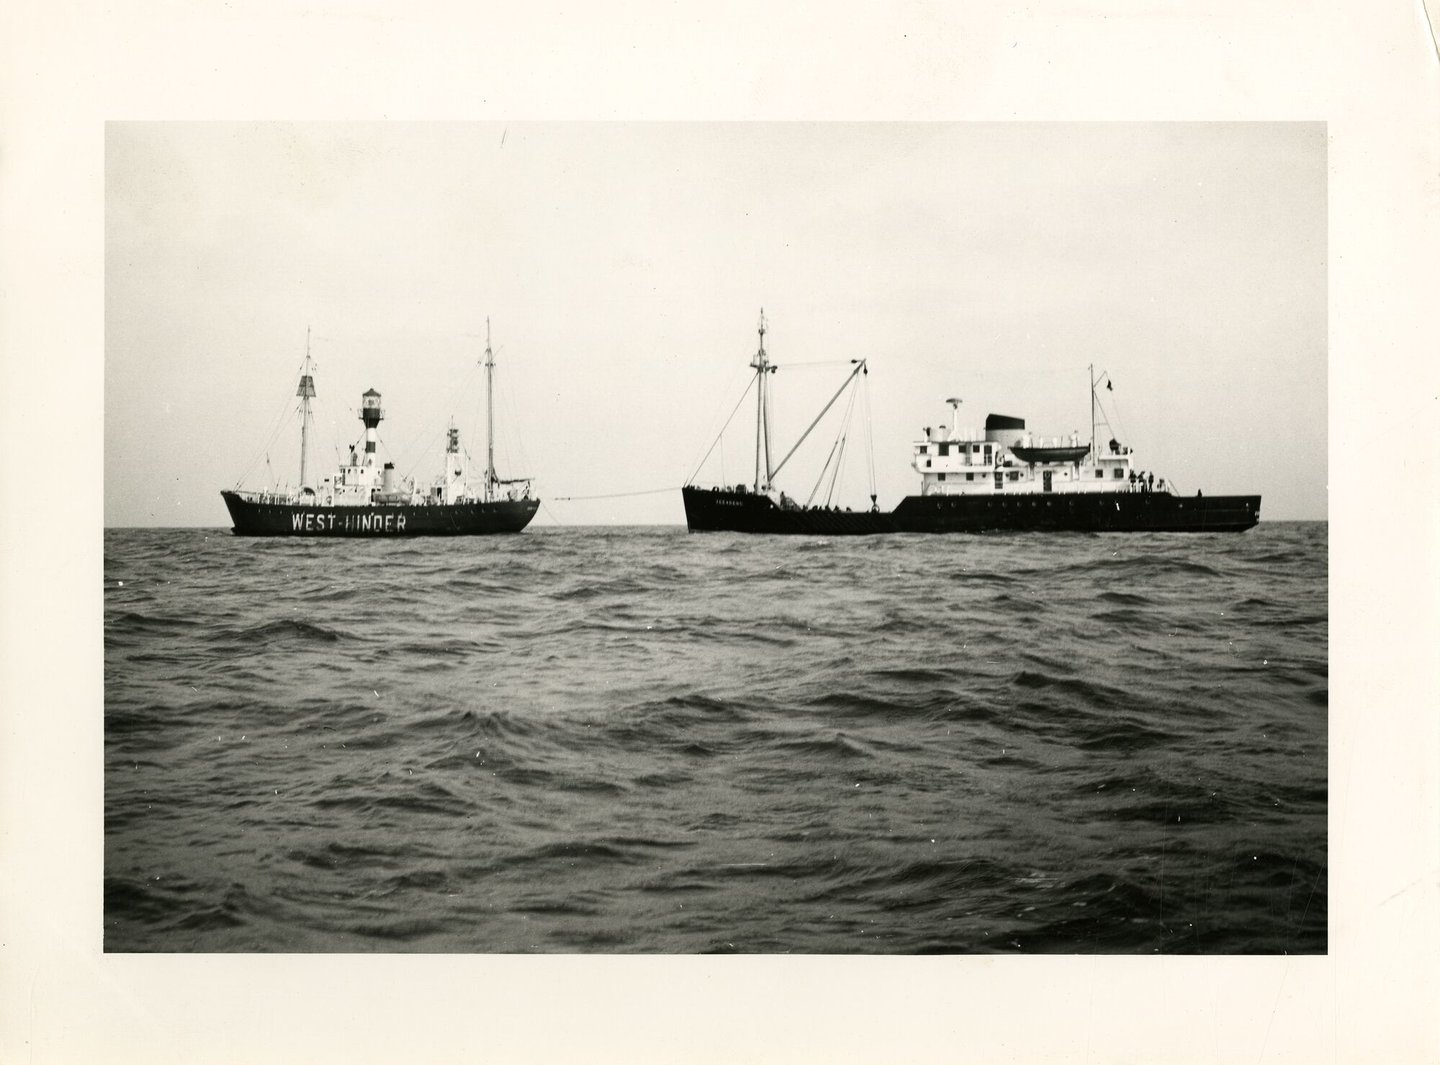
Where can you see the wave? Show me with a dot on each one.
(645, 742)
(397, 929)
(1089, 692)
(281, 630)
(1125, 598)
(130, 623)
(350, 856)
(838, 746)
(855, 704)
(1017, 604)
(1145, 566)
(611, 588)
(175, 906)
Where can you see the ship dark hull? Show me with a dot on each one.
(1077, 512)
(708, 510)
(251, 518)
(721, 510)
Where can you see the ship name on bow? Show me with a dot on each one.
(380, 523)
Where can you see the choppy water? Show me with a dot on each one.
(638, 740)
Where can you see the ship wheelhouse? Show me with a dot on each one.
(1005, 458)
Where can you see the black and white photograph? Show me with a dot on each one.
(992, 618)
(775, 534)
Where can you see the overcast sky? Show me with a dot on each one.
(624, 266)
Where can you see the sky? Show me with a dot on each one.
(623, 268)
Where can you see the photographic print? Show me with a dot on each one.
(659, 538)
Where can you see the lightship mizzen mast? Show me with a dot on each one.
(489, 416)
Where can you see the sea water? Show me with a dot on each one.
(636, 740)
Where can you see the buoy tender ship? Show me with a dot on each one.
(1002, 480)
(364, 498)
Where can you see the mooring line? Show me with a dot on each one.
(619, 495)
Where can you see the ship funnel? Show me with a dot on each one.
(1004, 430)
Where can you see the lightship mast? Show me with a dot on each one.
(306, 391)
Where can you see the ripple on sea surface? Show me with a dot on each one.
(643, 741)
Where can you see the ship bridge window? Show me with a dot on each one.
(974, 449)
(969, 476)
(927, 464)
(924, 451)
(1099, 473)
(1014, 475)
(944, 450)
(1119, 473)
(942, 476)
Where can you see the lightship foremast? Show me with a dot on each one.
(306, 392)
(489, 416)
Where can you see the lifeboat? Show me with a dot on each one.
(1035, 455)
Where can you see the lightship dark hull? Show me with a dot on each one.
(708, 510)
(252, 518)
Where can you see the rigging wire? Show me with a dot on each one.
(821, 479)
(460, 382)
(869, 434)
(1124, 433)
(835, 477)
(1116, 430)
(837, 455)
(275, 430)
(620, 495)
(509, 439)
(264, 451)
(718, 436)
(734, 376)
(847, 384)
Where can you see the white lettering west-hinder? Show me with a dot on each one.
(379, 523)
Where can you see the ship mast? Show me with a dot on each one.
(306, 392)
(762, 366)
(489, 416)
(1094, 454)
